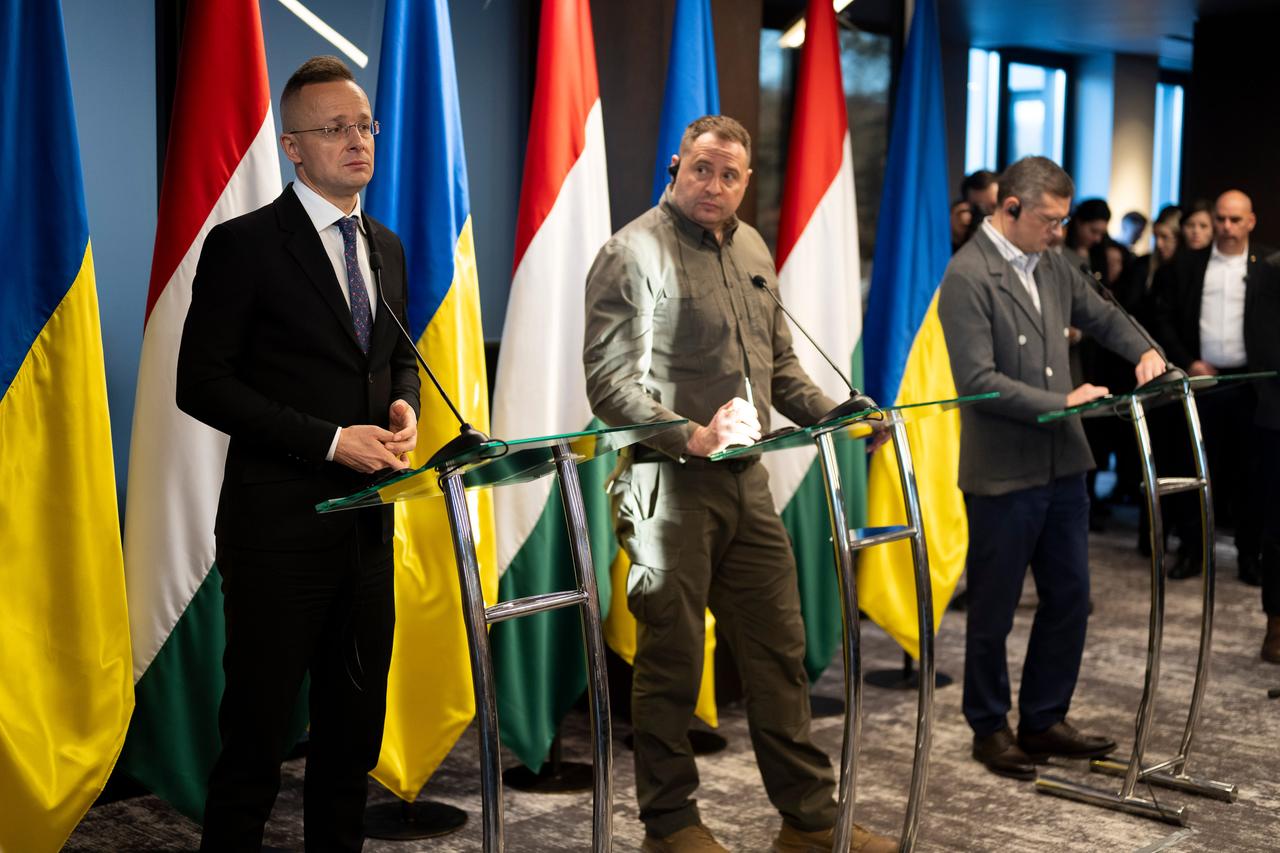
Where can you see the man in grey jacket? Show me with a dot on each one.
(1006, 307)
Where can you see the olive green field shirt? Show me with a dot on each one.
(673, 320)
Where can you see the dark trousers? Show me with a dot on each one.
(1226, 418)
(1046, 527)
(1269, 451)
(711, 538)
(327, 613)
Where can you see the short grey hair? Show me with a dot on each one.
(1031, 178)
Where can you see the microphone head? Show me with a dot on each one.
(759, 281)
(375, 261)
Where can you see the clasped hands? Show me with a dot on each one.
(368, 448)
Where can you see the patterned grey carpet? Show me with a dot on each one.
(966, 807)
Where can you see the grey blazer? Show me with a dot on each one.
(998, 341)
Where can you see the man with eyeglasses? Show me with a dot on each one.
(288, 349)
(1006, 306)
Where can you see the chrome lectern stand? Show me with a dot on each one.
(501, 463)
(845, 542)
(1172, 772)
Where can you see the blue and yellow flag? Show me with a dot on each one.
(692, 89)
(905, 354)
(66, 692)
(419, 190)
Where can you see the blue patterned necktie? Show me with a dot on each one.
(361, 313)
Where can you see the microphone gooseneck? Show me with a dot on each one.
(1172, 373)
(468, 436)
(857, 401)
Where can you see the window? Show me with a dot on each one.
(983, 111)
(1166, 159)
(1036, 111)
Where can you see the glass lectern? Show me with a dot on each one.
(1171, 773)
(492, 464)
(845, 542)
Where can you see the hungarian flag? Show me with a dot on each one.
(562, 222)
(819, 277)
(65, 690)
(221, 162)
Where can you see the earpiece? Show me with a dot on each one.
(1015, 210)
(674, 169)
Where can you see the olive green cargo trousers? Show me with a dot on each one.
(706, 535)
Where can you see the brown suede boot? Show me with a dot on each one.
(691, 839)
(792, 840)
(1271, 644)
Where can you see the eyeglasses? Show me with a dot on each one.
(1052, 222)
(329, 132)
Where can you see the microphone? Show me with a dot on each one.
(1171, 373)
(468, 436)
(857, 401)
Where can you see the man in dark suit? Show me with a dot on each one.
(1006, 307)
(1202, 300)
(288, 349)
(1264, 354)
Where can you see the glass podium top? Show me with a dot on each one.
(1152, 394)
(498, 463)
(851, 427)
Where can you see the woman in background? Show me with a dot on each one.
(1197, 225)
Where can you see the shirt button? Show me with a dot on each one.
(1022, 340)
(1066, 331)
(1048, 371)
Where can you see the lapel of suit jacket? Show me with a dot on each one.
(304, 244)
(1007, 280)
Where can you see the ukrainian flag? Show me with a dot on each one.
(419, 190)
(66, 692)
(905, 353)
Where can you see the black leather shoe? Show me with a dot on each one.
(1247, 569)
(1187, 566)
(1001, 755)
(1063, 741)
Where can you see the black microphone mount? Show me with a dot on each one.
(468, 437)
(857, 401)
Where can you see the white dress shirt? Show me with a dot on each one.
(324, 215)
(1222, 309)
(1023, 264)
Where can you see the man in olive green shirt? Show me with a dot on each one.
(675, 328)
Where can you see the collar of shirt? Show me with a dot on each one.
(1222, 258)
(1018, 259)
(691, 228)
(320, 210)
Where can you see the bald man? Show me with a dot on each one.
(1202, 299)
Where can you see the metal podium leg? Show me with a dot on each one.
(924, 615)
(1126, 800)
(1172, 773)
(473, 614)
(592, 637)
(1155, 620)
(851, 642)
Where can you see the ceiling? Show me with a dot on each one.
(1162, 28)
